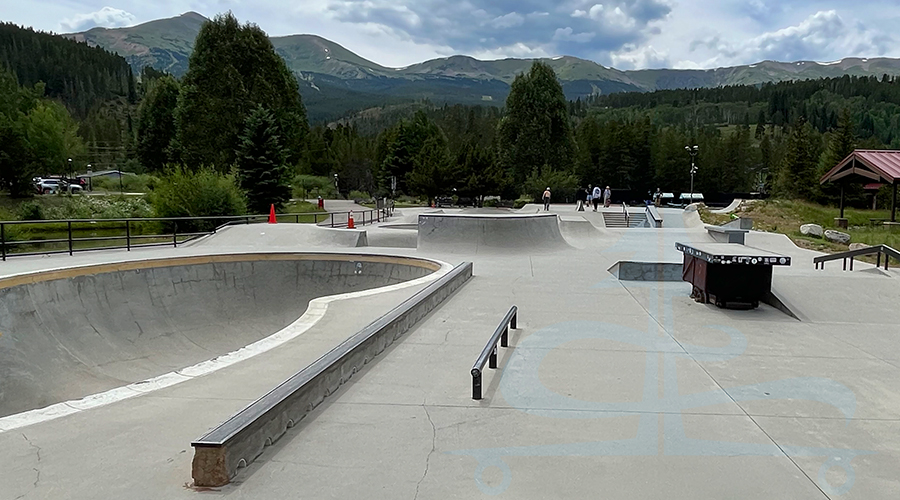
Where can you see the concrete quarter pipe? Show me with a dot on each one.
(481, 233)
(71, 333)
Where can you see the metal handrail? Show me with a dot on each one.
(173, 237)
(489, 353)
(627, 217)
(851, 254)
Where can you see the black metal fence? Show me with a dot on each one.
(42, 237)
(489, 353)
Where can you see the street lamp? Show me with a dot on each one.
(693, 152)
(337, 191)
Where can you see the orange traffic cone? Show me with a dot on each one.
(272, 218)
(350, 221)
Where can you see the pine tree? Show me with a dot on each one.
(535, 133)
(233, 69)
(260, 159)
(156, 124)
(840, 145)
(796, 176)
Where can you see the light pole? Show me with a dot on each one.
(693, 152)
(337, 191)
(90, 174)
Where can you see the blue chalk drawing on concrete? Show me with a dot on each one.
(521, 387)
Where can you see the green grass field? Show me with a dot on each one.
(786, 217)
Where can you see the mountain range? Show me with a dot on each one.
(332, 73)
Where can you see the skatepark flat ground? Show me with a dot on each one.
(609, 389)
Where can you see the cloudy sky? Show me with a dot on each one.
(626, 34)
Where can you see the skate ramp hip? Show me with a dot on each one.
(70, 333)
(498, 233)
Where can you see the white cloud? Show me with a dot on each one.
(508, 20)
(107, 17)
(643, 57)
(515, 50)
(567, 35)
(821, 36)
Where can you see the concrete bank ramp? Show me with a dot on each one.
(264, 236)
(578, 231)
(75, 332)
(730, 208)
(490, 233)
(854, 297)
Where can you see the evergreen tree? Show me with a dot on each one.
(796, 176)
(535, 133)
(479, 173)
(156, 124)
(840, 145)
(263, 175)
(433, 173)
(842, 142)
(233, 69)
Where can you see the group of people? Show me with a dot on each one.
(592, 196)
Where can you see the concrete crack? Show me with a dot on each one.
(430, 453)
(37, 451)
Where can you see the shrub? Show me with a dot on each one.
(202, 193)
(99, 207)
(359, 195)
(491, 203)
(522, 201)
(130, 183)
(31, 210)
(305, 186)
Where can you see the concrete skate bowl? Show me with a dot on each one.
(66, 334)
(469, 233)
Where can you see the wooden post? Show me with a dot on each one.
(842, 200)
(894, 203)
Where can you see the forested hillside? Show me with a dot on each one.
(79, 75)
(97, 87)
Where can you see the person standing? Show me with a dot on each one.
(590, 195)
(596, 197)
(580, 198)
(546, 198)
(607, 195)
(657, 198)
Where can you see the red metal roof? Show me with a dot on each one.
(875, 186)
(870, 164)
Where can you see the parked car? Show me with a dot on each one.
(53, 186)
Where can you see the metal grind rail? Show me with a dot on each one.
(489, 353)
(130, 231)
(850, 255)
(627, 217)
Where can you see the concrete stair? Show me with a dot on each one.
(616, 219)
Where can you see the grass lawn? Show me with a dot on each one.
(786, 217)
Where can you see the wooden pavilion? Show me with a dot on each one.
(868, 166)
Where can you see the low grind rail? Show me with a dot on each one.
(850, 255)
(128, 227)
(489, 353)
(242, 438)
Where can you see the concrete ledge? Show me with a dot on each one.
(238, 441)
(647, 271)
(723, 234)
(654, 219)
